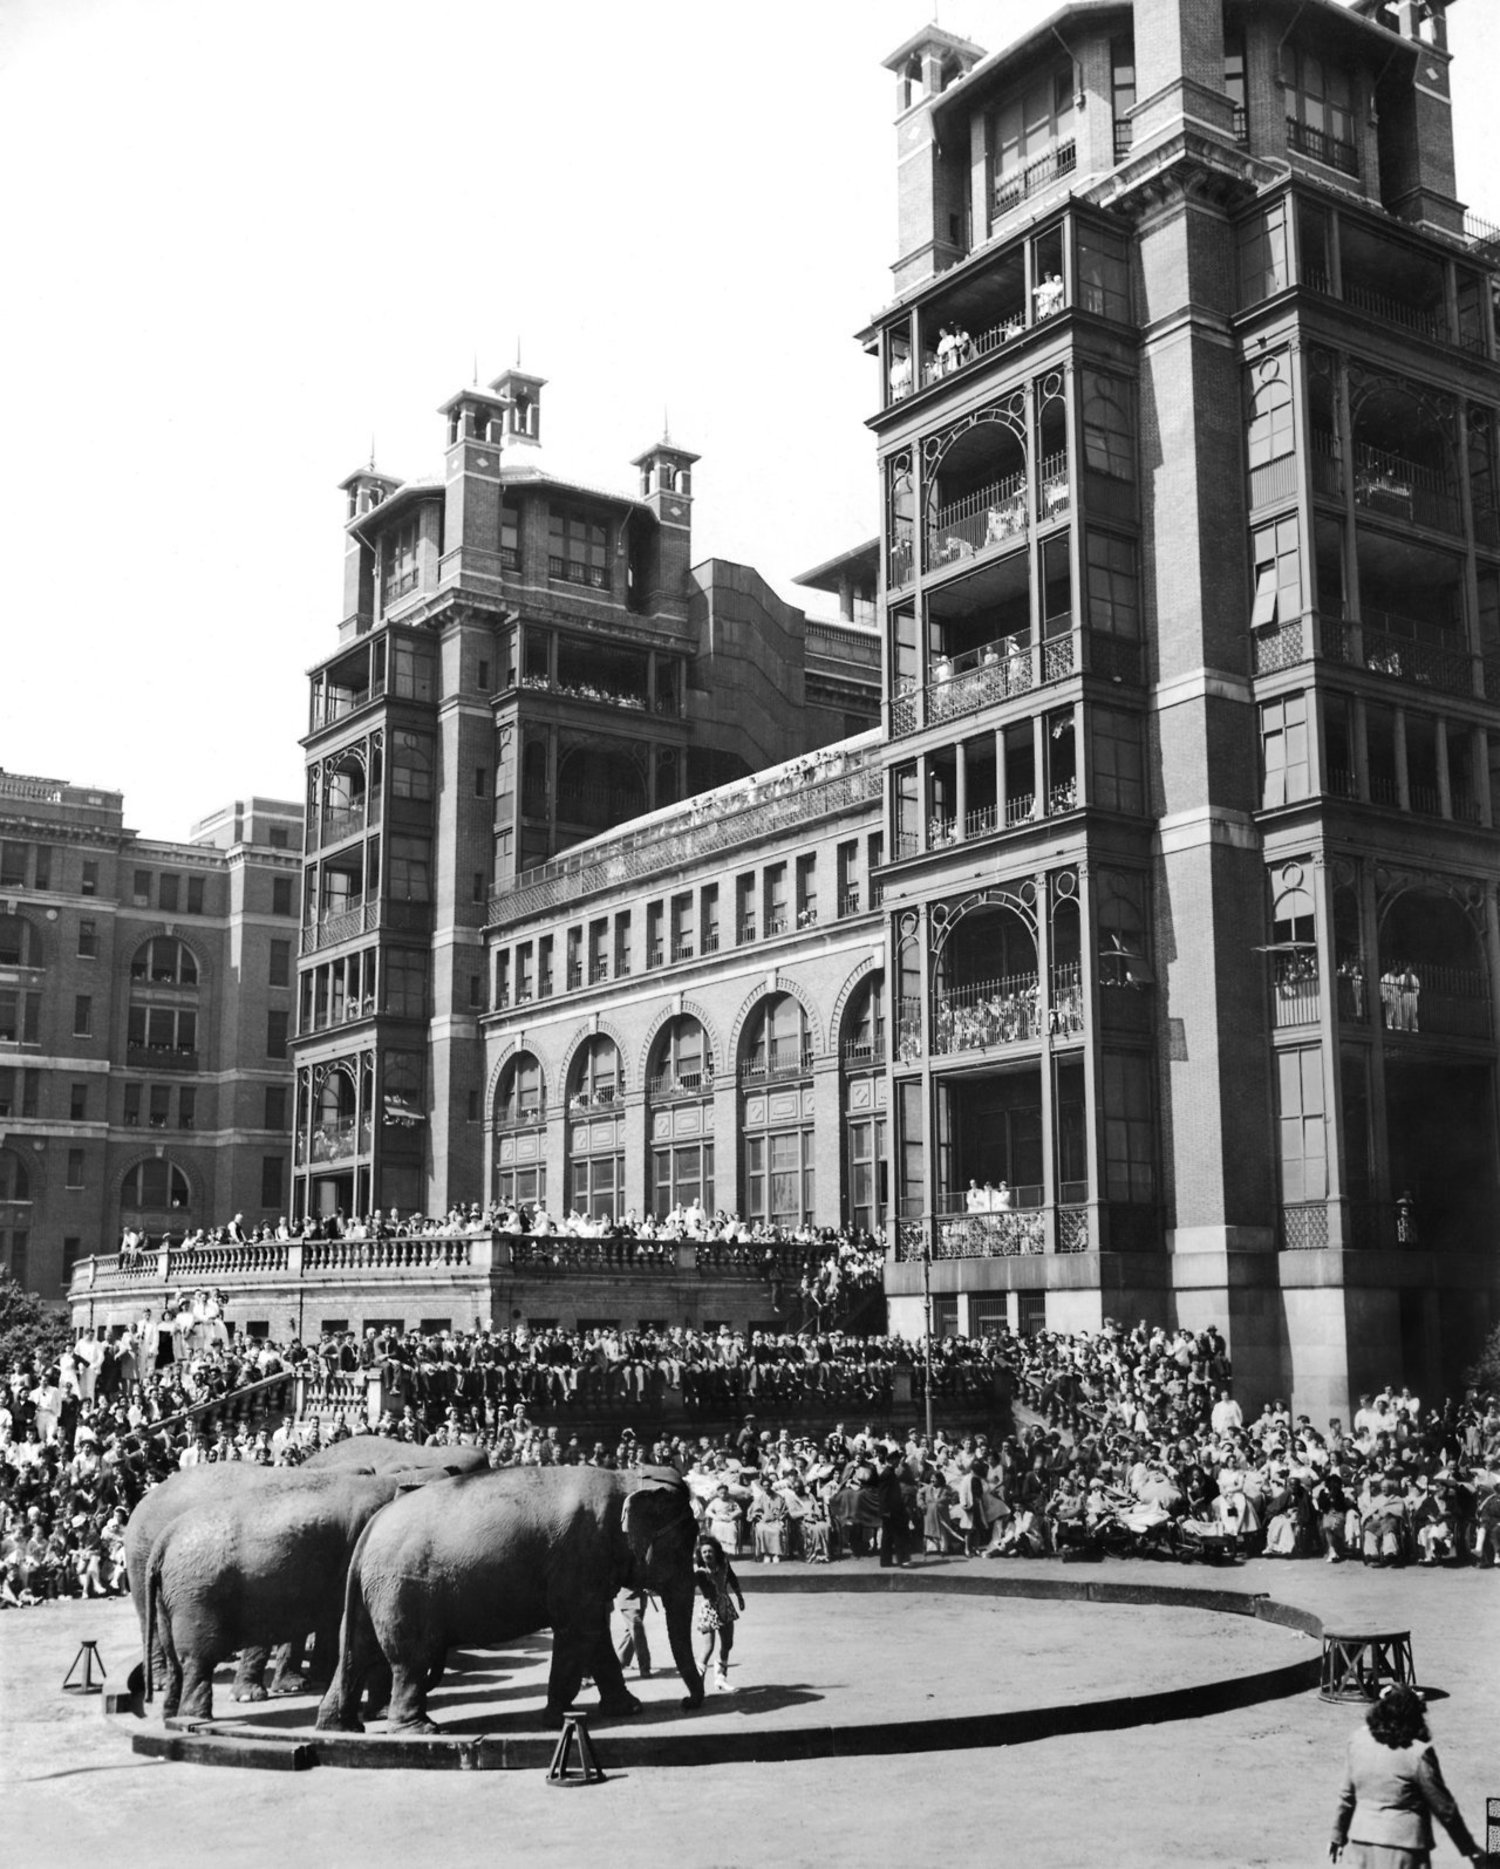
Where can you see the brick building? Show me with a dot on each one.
(1192, 609)
(146, 997)
(525, 660)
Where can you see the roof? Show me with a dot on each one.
(931, 34)
(825, 577)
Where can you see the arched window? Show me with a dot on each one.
(154, 1186)
(165, 961)
(411, 765)
(522, 1094)
(864, 1024)
(777, 1128)
(777, 1041)
(679, 1088)
(520, 1172)
(20, 944)
(15, 1178)
(596, 1161)
(595, 1081)
(1270, 414)
(682, 1062)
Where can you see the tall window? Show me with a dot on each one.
(1301, 1124)
(1122, 91)
(1320, 109)
(1108, 427)
(1270, 436)
(1129, 1152)
(20, 944)
(777, 1040)
(398, 562)
(596, 1079)
(15, 1178)
(1117, 781)
(1285, 774)
(1027, 130)
(410, 869)
(578, 550)
(411, 765)
(779, 1177)
(522, 1095)
(1278, 574)
(682, 1062)
(1113, 593)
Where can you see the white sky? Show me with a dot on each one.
(240, 240)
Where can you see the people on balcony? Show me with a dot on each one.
(1048, 296)
(1400, 998)
(954, 349)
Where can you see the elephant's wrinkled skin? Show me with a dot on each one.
(179, 1494)
(257, 1566)
(488, 1558)
(378, 1453)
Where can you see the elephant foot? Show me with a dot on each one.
(252, 1691)
(420, 1727)
(338, 1723)
(691, 1701)
(382, 1712)
(288, 1684)
(620, 1706)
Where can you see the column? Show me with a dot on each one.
(1047, 1086)
(1333, 1103)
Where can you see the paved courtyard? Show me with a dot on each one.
(1240, 1789)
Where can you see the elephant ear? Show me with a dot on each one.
(649, 1510)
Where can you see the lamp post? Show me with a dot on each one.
(927, 1318)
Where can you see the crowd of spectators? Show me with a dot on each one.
(1133, 1443)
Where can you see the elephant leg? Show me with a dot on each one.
(197, 1700)
(171, 1695)
(286, 1678)
(360, 1658)
(378, 1691)
(408, 1709)
(614, 1696)
(324, 1659)
(574, 1654)
(249, 1675)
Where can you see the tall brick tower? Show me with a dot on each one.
(1191, 604)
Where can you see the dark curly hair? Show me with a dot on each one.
(1399, 1717)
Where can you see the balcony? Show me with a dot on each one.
(362, 918)
(776, 1063)
(332, 827)
(995, 516)
(1436, 1001)
(1295, 995)
(987, 1014)
(1365, 1225)
(1018, 185)
(1331, 151)
(161, 1057)
(1404, 648)
(679, 1086)
(338, 703)
(863, 1054)
(578, 571)
(520, 1113)
(340, 1139)
(1393, 487)
(848, 902)
(600, 695)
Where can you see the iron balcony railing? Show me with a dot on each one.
(1399, 488)
(777, 1061)
(578, 571)
(1332, 151)
(674, 1086)
(1014, 186)
(987, 1013)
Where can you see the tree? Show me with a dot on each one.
(1485, 1374)
(27, 1327)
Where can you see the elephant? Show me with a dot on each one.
(377, 1453)
(489, 1557)
(190, 1490)
(259, 1564)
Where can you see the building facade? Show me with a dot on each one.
(524, 661)
(1190, 601)
(146, 1001)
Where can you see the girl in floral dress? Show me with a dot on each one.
(716, 1615)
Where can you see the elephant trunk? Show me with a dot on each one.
(677, 1606)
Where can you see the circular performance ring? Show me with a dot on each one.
(681, 1741)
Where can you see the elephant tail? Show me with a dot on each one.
(153, 1598)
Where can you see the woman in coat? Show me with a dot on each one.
(1393, 1788)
